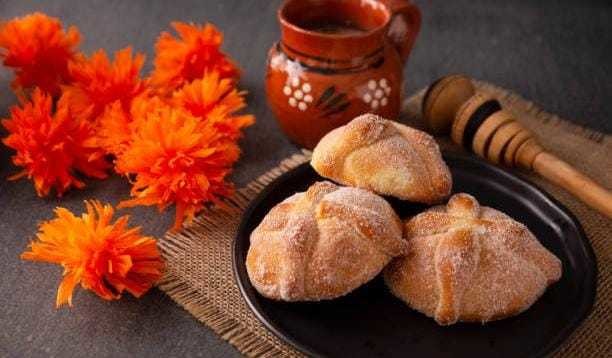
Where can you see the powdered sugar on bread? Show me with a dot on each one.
(323, 243)
(470, 263)
(386, 157)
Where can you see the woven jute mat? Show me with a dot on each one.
(199, 273)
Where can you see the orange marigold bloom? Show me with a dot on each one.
(51, 147)
(175, 157)
(39, 50)
(98, 82)
(115, 125)
(114, 128)
(178, 61)
(106, 258)
(215, 99)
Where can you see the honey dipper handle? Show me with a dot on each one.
(575, 182)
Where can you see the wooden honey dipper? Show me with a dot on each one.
(478, 122)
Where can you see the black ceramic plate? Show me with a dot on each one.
(370, 322)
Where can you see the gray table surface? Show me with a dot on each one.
(556, 53)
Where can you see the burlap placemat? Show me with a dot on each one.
(199, 271)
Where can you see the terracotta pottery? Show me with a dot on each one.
(338, 59)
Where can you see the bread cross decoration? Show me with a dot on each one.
(478, 122)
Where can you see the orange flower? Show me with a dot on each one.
(52, 147)
(215, 99)
(39, 50)
(177, 158)
(107, 258)
(178, 61)
(115, 126)
(98, 82)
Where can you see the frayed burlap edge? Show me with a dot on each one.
(199, 275)
(219, 224)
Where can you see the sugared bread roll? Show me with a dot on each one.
(470, 263)
(323, 243)
(386, 157)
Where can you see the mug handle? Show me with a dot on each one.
(404, 26)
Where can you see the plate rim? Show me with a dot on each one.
(590, 283)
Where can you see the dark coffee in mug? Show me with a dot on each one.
(334, 27)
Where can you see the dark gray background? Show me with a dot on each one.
(556, 53)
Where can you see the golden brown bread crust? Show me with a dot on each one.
(323, 243)
(386, 157)
(470, 263)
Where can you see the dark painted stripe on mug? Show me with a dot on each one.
(340, 97)
(326, 95)
(331, 60)
(332, 71)
(483, 112)
(341, 108)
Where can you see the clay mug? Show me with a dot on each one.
(337, 59)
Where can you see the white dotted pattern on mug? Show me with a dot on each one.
(298, 93)
(377, 93)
